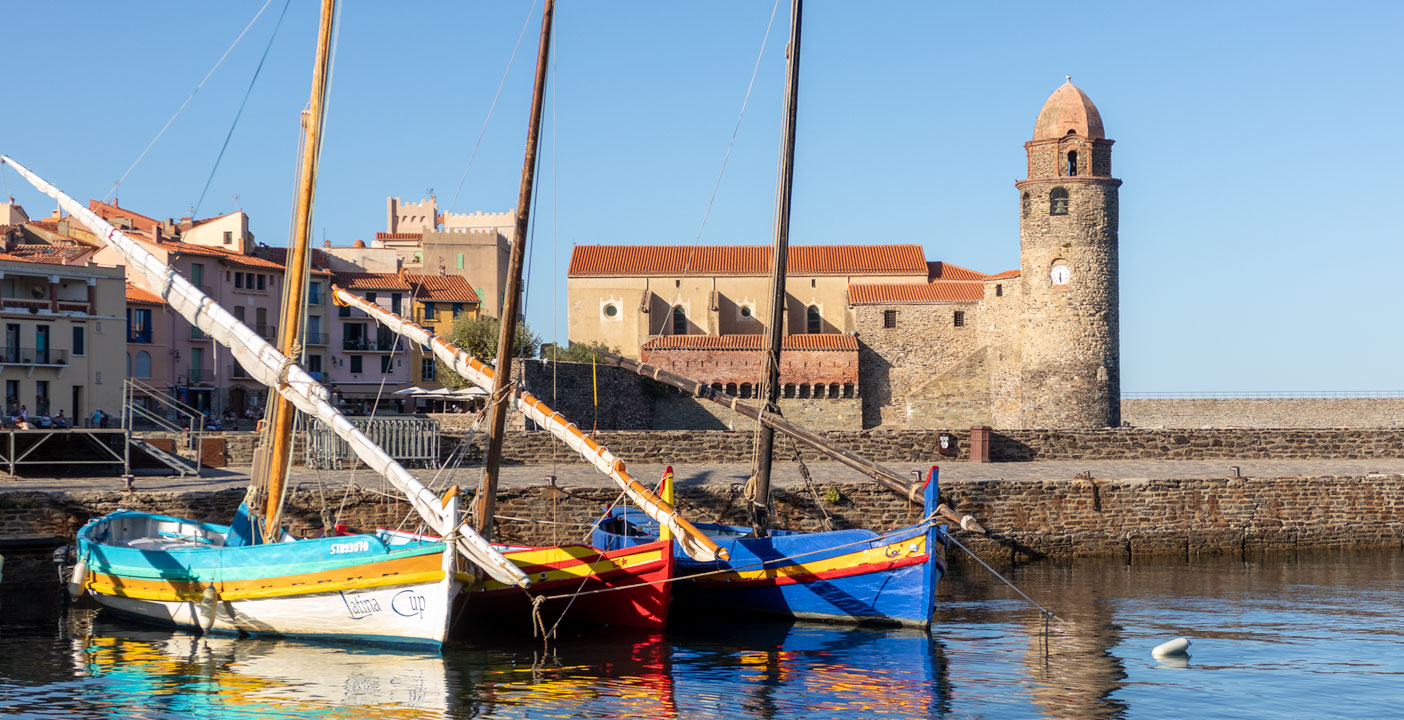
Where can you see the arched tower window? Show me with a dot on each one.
(679, 321)
(812, 316)
(1025, 205)
(1058, 202)
(1072, 163)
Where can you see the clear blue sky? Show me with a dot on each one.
(1259, 143)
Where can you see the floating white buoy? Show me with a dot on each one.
(209, 603)
(78, 580)
(1178, 646)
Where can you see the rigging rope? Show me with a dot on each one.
(247, 92)
(527, 23)
(178, 111)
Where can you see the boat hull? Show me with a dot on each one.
(627, 587)
(845, 576)
(358, 588)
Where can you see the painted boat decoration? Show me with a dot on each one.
(150, 566)
(849, 576)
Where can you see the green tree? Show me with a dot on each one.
(579, 352)
(478, 337)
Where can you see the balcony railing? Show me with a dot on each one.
(267, 332)
(194, 376)
(370, 345)
(139, 336)
(14, 303)
(316, 339)
(237, 371)
(33, 356)
(75, 306)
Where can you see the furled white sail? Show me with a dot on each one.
(264, 363)
(693, 542)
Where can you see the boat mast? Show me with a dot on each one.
(295, 278)
(487, 492)
(760, 504)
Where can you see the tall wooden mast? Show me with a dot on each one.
(760, 504)
(295, 278)
(487, 493)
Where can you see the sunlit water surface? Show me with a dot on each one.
(1306, 636)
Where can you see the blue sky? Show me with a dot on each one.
(1259, 143)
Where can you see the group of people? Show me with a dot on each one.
(19, 419)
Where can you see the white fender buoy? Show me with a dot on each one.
(1176, 647)
(78, 581)
(209, 603)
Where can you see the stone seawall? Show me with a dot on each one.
(1382, 412)
(727, 446)
(1027, 519)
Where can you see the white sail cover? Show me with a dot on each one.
(693, 542)
(265, 363)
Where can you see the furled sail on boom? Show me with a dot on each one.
(264, 363)
(697, 545)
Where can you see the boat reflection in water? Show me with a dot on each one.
(759, 671)
(169, 674)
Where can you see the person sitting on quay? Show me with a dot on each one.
(60, 422)
(45, 422)
(24, 414)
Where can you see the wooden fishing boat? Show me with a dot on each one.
(840, 575)
(853, 576)
(251, 577)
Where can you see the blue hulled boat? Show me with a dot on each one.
(838, 576)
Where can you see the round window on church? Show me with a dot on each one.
(611, 310)
(745, 311)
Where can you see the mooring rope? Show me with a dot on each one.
(1047, 614)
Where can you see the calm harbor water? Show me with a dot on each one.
(1301, 636)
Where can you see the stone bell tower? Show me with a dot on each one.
(1071, 356)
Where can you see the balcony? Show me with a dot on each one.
(33, 306)
(195, 376)
(370, 346)
(139, 335)
(238, 372)
(32, 356)
(267, 332)
(75, 306)
(315, 339)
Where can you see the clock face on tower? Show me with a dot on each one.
(1060, 274)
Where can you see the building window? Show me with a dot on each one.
(611, 310)
(889, 319)
(812, 324)
(79, 335)
(959, 319)
(356, 364)
(228, 237)
(11, 396)
(457, 309)
(238, 281)
(745, 311)
(314, 293)
(1058, 202)
(260, 282)
(999, 290)
(314, 363)
(1024, 205)
(679, 321)
(387, 364)
(197, 274)
(41, 344)
(395, 303)
(370, 298)
(41, 397)
(426, 369)
(343, 311)
(138, 324)
(141, 366)
(460, 261)
(1072, 163)
(430, 313)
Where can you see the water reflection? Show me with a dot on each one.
(1272, 636)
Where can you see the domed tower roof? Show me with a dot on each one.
(1069, 111)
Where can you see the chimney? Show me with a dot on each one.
(156, 233)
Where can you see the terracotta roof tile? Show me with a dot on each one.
(370, 281)
(442, 288)
(138, 295)
(635, 260)
(1003, 275)
(107, 212)
(39, 259)
(819, 341)
(279, 256)
(398, 236)
(940, 291)
(226, 256)
(945, 271)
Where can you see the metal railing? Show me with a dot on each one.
(266, 331)
(410, 440)
(33, 356)
(168, 415)
(194, 375)
(314, 338)
(1269, 395)
(371, 345)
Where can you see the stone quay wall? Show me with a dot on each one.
(1027, 519)
(728, 446)
(1378, 412)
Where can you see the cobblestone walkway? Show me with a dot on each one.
(786, 474)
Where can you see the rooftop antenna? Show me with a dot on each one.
(237, 206)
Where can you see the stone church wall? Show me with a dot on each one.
(924, 373)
